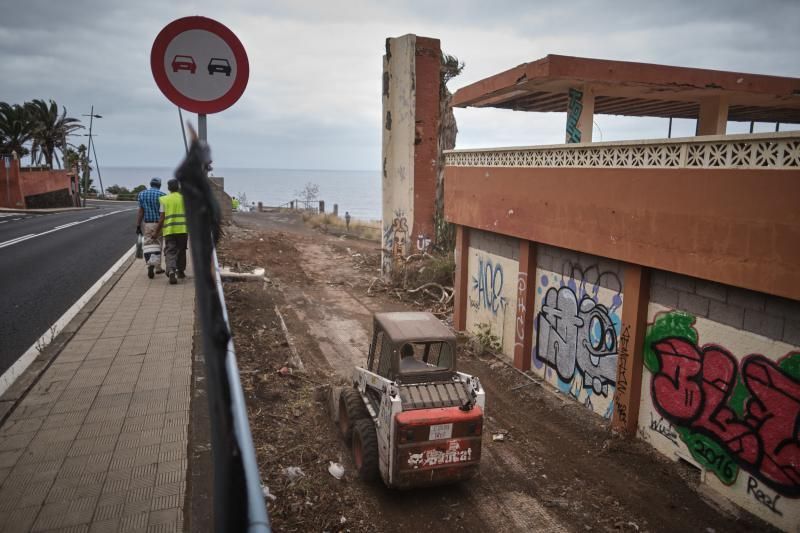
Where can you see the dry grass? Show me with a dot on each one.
(370, 230)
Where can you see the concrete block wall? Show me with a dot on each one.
(577, 315)
(721, 390)
(763, 314)
(493, 269)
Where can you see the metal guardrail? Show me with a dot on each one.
(779, 150)
(303, 205)
(238, 496)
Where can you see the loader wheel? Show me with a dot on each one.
(351, 409)
(365, 449)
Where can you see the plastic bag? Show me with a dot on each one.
(139, 246)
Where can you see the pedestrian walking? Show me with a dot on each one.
(347, 220)
(176, 235)
(149, 208)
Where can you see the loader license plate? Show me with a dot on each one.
(441, 431)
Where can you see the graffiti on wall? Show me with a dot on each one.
(731, 414)
(574, 110)
(577, 335)
(487, 286)
(395, 239)
(519, 330)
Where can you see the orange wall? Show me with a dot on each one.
(735, 226)
(10, 195)
(43, 181)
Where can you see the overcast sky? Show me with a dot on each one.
(313, 100)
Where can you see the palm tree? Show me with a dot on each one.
(16, 128)
(50, 130)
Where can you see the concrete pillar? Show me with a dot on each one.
(636, 294)
(526, 284)
(260, 207)
(580, 114)
(411, 80)
(322, 206)
(336, 210)
(713, 116)
(462, 277)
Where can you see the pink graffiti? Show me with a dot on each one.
(692, 389)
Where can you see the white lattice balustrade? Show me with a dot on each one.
(763, 150)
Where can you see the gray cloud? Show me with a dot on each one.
(313, 100)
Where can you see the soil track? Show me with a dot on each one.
(557, 469)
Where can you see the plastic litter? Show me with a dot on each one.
(336, 470)
(293, 473)
(498, 437)
(267, 494)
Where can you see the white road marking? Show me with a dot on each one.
(58, 228)
(16, 219)
(10, 375)
(3, 222)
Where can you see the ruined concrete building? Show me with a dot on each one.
(655, 282)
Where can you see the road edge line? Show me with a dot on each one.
(10, 376)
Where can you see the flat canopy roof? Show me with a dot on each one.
(635, 89)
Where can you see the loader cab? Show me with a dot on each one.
(411, 348)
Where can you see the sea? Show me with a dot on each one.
(355, 191)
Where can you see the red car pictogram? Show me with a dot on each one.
(180, 62)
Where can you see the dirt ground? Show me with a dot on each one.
(558, 468)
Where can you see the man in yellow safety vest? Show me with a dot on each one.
(176, 234)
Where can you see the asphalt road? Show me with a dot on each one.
(47, 262)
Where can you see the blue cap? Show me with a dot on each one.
(155, 182)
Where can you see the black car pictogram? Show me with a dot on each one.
(218, 64)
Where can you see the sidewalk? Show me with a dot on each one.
(100, 442)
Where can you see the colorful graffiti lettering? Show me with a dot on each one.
(574, 110)
(488, 283)
(395, 239)
(576, 333)
(730, 414)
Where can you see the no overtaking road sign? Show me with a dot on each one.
(199, 65)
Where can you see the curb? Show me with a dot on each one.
(17, 391)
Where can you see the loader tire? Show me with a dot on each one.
(365, 449)
(351, 409)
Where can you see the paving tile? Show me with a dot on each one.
(9, 458)
(19, 519)
(16, 442)
(99, 443)
(133, 522)
(24, 425)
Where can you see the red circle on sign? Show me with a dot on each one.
(175, 28)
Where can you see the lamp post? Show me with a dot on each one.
(91, 116)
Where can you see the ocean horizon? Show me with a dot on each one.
(355, 191)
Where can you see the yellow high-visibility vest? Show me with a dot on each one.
(174, 215)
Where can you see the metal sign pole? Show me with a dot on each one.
(202, 130)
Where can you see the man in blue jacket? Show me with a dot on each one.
(149, 214)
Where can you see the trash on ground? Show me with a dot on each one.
(336, 470)
(267, 493)
(293, 473)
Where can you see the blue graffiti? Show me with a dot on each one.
(577, 334)
(489, 284)
(574, 110)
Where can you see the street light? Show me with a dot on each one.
(91, 116)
